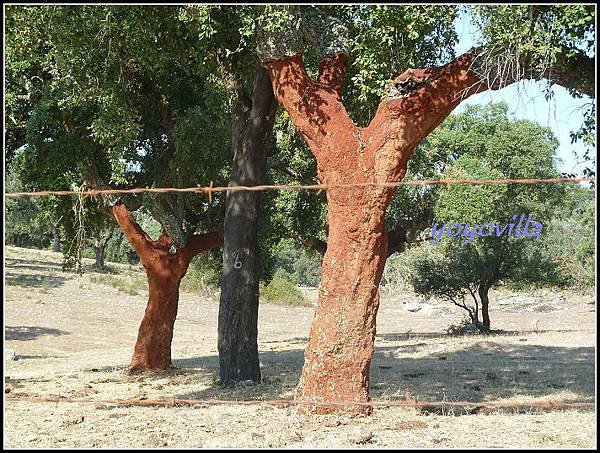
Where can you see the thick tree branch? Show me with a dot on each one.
(578, 73)
(331, 72)
(396, 242)
(296, 93)
(475, 299)
(108, 237)
(427, 96)
(472, 313)
(313, 243)
(314, 108)
(164, 212)
(275, 163)
(422, 98)
(198, 243)
(137, 237)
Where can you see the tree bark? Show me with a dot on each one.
(56, 239)
(338, 354)
(483, 291)
(99, 247)
(340, 347)
(164, 271)
(153, 346)
(99, 252)
(238, 307)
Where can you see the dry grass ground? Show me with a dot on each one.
(73, 336)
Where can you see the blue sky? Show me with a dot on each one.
(526, 100)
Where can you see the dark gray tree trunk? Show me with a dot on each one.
(238, 308)
(56, 240)
(485, 302)
(100, 250)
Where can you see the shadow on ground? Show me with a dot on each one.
(29, 273)
(409, 335)
(28, 333)
(482, 372)
(34, 280)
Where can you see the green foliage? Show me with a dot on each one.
(388, 40)
(280, 290)
(541, 35)
(587, 135)
(121, 90)
(485, 143)
(467, 203)
(204, 273)
(554, 41)
(24, 221)
(569, 243)
(497, 146)
(287, 215)
(302, 266)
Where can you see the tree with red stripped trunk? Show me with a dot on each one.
(154, 116)
(341, 342)
(164, 271)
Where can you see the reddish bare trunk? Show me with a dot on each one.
(485, 303)
(339, 351)
(164, 271)
(153, 346)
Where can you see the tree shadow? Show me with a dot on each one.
(484, 371)
(36, 267)
(480, 372)
(21, 263)
(33, 280)
(280, 371)
(295, 340)
(28, 333)
(410, 335)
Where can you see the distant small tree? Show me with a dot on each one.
(467, 266)
(435, 272)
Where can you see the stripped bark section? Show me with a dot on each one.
(164, 271)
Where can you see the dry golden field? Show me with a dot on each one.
(73, 336)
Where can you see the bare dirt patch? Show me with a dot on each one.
(73, 337)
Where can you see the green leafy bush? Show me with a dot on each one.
(281, 290)
(204, 273)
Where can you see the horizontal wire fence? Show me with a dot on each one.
(318, 187)
(423, 405)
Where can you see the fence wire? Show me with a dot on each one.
(209, 190)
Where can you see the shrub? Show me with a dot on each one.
(129, 284)
(204, 273)
(281, 290)
(466, 327)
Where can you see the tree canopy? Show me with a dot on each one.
(116, 96)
